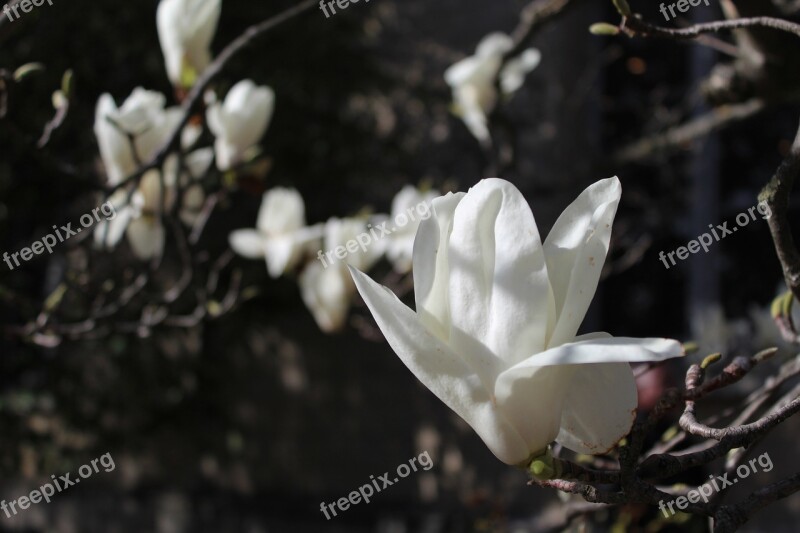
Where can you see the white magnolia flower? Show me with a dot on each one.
(143, 116)
(139, 218)
(328, 290)
(413, 205)
(185, 30)
(473, 80)
(281, 236)
(494, 334)
(240, 121)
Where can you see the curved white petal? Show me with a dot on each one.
(346, 232)
(192, 204)
(443, 372)
(462, 72)
(431, 267)
(108, 233)
(115, 149)
(199, 161)
(327, 293)
(282, 210)
(532, 402)
(146, 237)
(494, 44)
(399, 252)
(513, 74)
(478, 125)
(215, 120)
(575, 251)
(185, 31)
(156, 132)
(498, 288)
(599, 407)
(607, 350)
(282, 253)
(227, 154)
(140, 110)
(240, 121)
(247, 243)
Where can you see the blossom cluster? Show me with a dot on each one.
(287, 244)
(133, 133)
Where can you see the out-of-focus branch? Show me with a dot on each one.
(729, 517)
(776, 194)
(635, 26)
(216, 67)
(532, 17)
(683, 134)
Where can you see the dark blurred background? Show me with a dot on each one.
(249, 422)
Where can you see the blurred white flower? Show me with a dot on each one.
(328, 292)
(240, 121)
(414, 206)
(473, 80)
(494, 333)
(281, 236)
(144, 118)
(185, 30)
(139, 218)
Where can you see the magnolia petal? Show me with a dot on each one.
(240, 121)
(115, 148)
(607, 350)
(109, 232)
(576, 250)
(327, 293)
(215, 119)
(513, 74)
(399, 252)
(155, 132)
(282, 211)
(443, 372)
(185, 31)
(599, 407)
(532, 401)
(252, 106)
(478, 125)
(494, 45)
(146, 237)
(498, 287)
(226, 154)
(282, 253)
(248, 243)
(430, 265)
(462, 71)
(362, 247)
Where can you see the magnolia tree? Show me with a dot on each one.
(493, 332)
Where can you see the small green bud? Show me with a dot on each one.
(603, 28)
(710, 360)
(623, 7)
(26, 69)
(67, 83)
(545, 466)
